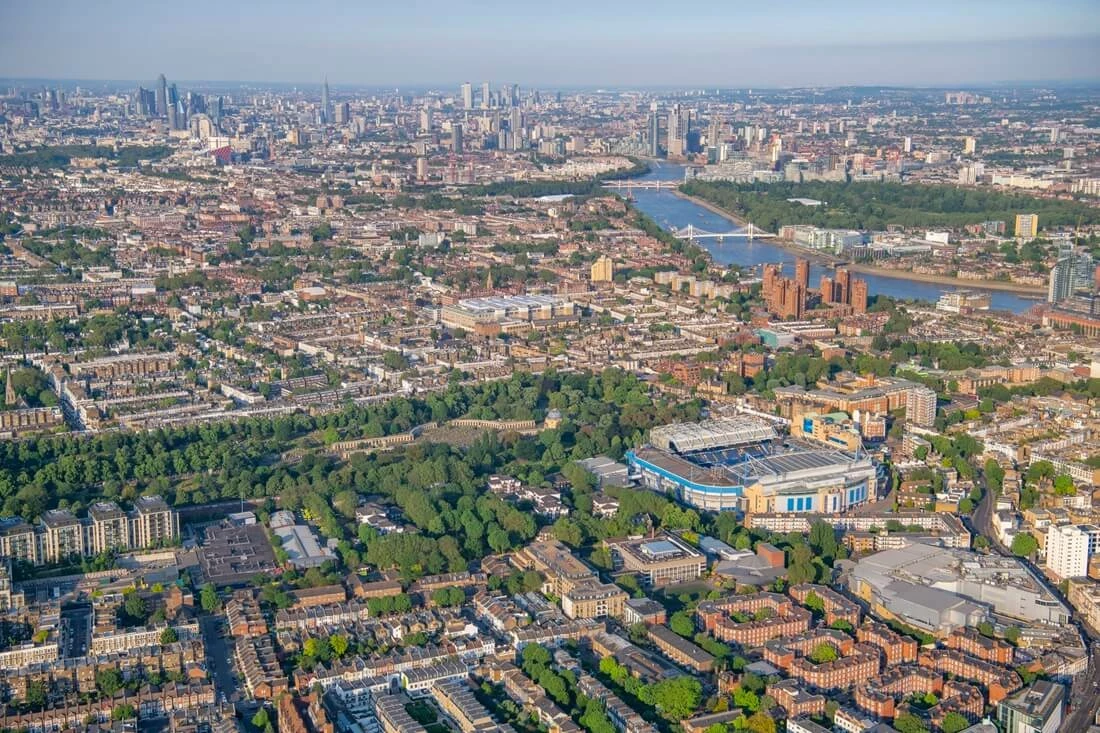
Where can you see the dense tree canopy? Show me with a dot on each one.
(872, 206)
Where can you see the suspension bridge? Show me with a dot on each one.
(693, 233)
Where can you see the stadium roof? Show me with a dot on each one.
(711, 434)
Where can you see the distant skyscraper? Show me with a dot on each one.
(486, 97)
(514, 96)
(677, 131)
(341, 113)
(147, 102)
(467, 96)
(326, 106)
(162, 96)
(426, 119)
(456, 138)
(1063, 277)
(654, 132)
(714, 133)
(970, 145)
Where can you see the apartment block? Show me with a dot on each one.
(971, 642)
(837, 607)
(679, 649)
(998, 681)
(896, 649)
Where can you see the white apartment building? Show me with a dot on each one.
(1069, 547)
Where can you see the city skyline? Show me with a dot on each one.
(613, 45)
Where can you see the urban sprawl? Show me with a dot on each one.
(337, 410)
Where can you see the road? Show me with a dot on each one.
(76, 630)
(1084, 695)
(218, 658)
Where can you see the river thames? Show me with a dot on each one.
(671, 211)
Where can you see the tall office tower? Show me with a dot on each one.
(859, 295)
(1063, 278)
(196, 103)
(426, 119)
(219, 110)
(173, 116)
(1027, 225)
(486, 95)
(802, 273)
(326, 107)
(456, 138)
(467, 95)
(654, 133)
(162, 96)
(514, 95)
(146, 102)
(1069, 548)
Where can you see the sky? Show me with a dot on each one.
(564, 43)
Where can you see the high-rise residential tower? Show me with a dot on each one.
(467, 95)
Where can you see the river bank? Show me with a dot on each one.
(825, 258)
(999, 285)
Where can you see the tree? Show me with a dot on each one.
(760, 722)
(1023, 545)
(954, 722)
(1063, 485)
(108, 681)
(823, 652)
(823, 539)
(169, 636)
(1012, 634)
(260, 719)
(800, 567)
(36, 694)
(134, 606)
(339, 645)
(125, 711)
(208, 598)
(815, 603)
(682, 624)
(909, 723)
(677, 698)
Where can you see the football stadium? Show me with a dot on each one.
(743, 464)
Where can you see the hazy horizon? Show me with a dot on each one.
(614, 44)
